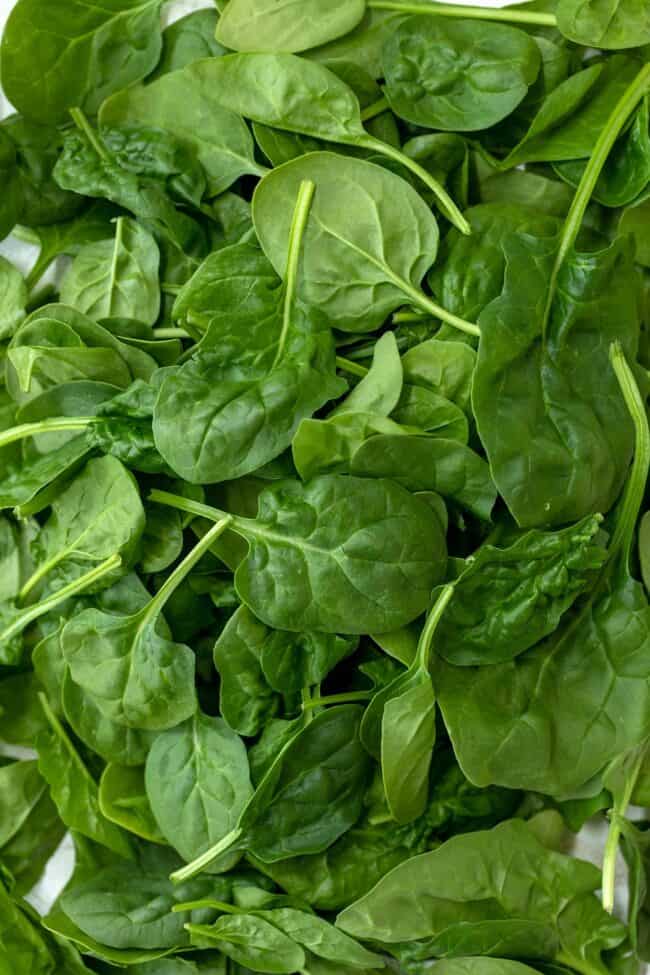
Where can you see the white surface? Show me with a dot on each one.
(589, 843)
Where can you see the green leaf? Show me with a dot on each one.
(13, 299)
(187, 104)
(197, 782)
(186, 40)
(113, 278)
(245, 698)
(250, 940)
(73, 789)
(615, 24)
(123, 800)
(266, 25)
(69, 53)
(457, 75)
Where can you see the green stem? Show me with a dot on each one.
(637, 479)
(468, 13)
(170, 333)
(409, 316)
(61, 733)
(376, 108)
(350, 697)
(298, 224)
(84, 126)
(445, 201)
(39, 268)
(171, 289)
(155, 605)
(578, 964)
(612, 129)
(354, 368)
(196, 508)
(423, 652)
(55, 425)
(196, 866)
(207, 903)
(72, 589)
(614, 832)
(437, 311)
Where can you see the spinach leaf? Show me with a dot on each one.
(313, 101)
(311, 794)
(69, 53)
(136, 655)
(203, 764)
(250, 940)
(321, 537)
(363, 218)
(72, 787)
(246, 700)
(533, 884)
(457, 75)
(248, 418)
(620, 24)
(186, 40)
(187, 106)
(113, 278)
(507, 599)
(266, 25)
(123, 800)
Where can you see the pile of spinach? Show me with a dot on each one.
(324, 551)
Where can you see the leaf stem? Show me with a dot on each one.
(201, 862)
(72, 589)
(56, 424)
(170, 289)
(298, 224)
(155, 606)
(374, 109)
(437, 311)
(637, 479)
(170, 333)
(354, 368)
(207, 902)
(469, 13)
(84, 126)
(614, 832)
(445, 201)
(196, 508)
(604, 143)
(350, 697)
(423, 652)
(409, 316)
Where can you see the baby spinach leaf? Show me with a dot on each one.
(309, 807)
(528, 357)
(399, 726)
(533, 884)
(626, 173)
(203, 764)
(99, 513)
(187, 105)
(353, 555)
(13, 298)
(363, 218)
(136, 656)
(457, 75)
(61, 55)
(313, 102)
(186, 40)
(250, 940)
(507, 599)
(620, 24)
(380, 389)
(130, 906)
(72, 787)
(246, 700)
(21, 787)
(113, 278)
(123, 800)
(266, 25)
(586, 660)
